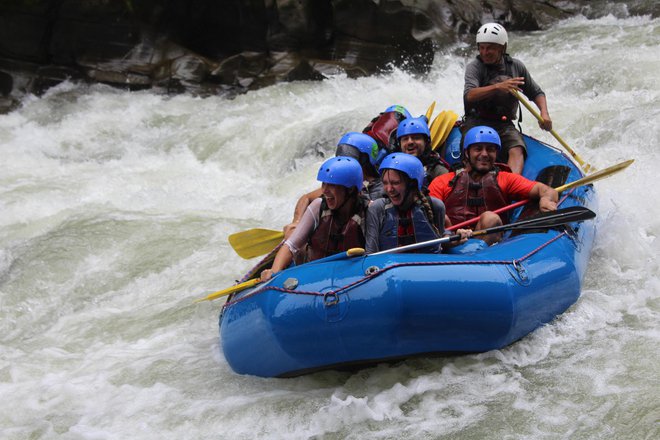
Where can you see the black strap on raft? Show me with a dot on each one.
(553, 176)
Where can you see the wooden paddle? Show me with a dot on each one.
(583, 181)
(254, 242)
(585, 166)
(442, 132)
(230, 290)
(429, 111)
(353, 252)
(543, 220)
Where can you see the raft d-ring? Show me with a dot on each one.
(371, 270)
(572, 233)
(520, 273)
(330, 299)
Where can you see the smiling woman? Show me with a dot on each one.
(407, 215)
(331, 224)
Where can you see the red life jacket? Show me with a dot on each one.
(469, 198)
(383, 129)
(330, 237)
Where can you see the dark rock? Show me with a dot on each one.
(228, 46)
(6, 84)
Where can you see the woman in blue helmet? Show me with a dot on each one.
(332, 223)
(413, 137)
(406, 215)
(366, 151)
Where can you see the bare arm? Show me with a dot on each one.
(542, 104)
(516, 160)
(296, 243)
(282, 260)
(301, 206)
(547, 197)
(506, 86)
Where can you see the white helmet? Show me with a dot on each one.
(492, 33)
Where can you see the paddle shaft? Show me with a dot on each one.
(260, 241)
(585, 166)
(230, 290)
(545, 220)
(583, 181)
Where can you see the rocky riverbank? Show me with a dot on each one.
(229, 46)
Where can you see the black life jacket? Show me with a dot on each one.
(434, 166)
(498, 108)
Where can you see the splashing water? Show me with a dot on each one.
(116, 207)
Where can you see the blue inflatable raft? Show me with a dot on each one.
(344, 312)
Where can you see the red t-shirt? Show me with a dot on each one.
(514, 186)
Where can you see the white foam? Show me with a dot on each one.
(115, 211)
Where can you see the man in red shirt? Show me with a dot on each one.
(480, 187)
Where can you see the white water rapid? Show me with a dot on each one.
(115, 208)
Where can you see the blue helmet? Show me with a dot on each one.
(341, 170)
(482, 134)
(399, 109)
(413, 126)
(407, 164)
(364, 144)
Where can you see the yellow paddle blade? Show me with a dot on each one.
(429, 111)
(230, 290)
(441, 127)
(442, 133)
(255, 242)
(435, 125)
(597, 175)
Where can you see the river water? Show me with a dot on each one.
(116, 208)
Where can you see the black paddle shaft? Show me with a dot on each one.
(540, 221)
